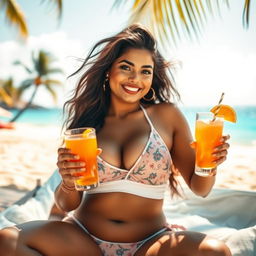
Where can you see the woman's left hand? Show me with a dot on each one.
(220, 152)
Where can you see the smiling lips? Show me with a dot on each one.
(131, 89)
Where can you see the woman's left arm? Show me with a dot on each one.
(183, 156)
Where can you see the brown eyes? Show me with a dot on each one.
(146, 72)
(127, 68)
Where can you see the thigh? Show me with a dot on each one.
(183, 243)
(53, 238)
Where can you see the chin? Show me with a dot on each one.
(133, 100)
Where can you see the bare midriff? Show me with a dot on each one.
(120, 217)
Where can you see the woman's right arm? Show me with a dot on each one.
(67, 198)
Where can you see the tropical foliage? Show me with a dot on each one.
(9, 94)
(15, 15)
(172, 20)
(39, 75)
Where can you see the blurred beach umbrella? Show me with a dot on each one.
(15, 16)
(39, 75)
(171, 20)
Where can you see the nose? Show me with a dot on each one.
(133, 76)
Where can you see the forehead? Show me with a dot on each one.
(139, 57)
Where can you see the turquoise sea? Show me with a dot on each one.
(244, 131)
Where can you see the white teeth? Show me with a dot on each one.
(133, 89)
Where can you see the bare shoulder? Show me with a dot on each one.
(167, 112)
(167, 116)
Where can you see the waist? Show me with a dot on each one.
(122, 231)
(120, 217)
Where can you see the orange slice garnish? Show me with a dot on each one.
(86, 132)
(226, 111)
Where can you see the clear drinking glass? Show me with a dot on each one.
(208, 132)
(83, 142)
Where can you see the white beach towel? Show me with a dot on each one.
(229, 215)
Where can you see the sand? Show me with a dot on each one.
(29, 152)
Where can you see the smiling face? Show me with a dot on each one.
(131, 75)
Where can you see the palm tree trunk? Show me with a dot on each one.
(26, 106)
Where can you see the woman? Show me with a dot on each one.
(125, 94)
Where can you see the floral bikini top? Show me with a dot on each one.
(149, 175)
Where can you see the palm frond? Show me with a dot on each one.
(52, 92)
(8, 92)
(171, 19)
(246, 13)
(24, 86)
(17, 62)
(52, 82)
(5, 97)
(15, 16)
(41, 61)
(54, 71)
(58, 4)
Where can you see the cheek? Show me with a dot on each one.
(148, 81)
(118, 75)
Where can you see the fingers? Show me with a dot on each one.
(224, 138)
(64, 154)
(99, 151)
(220, 152)
(220, 160)
(193, 144)
(69, 165)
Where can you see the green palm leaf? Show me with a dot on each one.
(25, 85)
(17, 62)
(5, 97)
(54, 71)
(59, 6)
(171, 20)
(9, 93)
(246, 13)
(15, 16)
(50, 82)
(41, 70)
(52, 92)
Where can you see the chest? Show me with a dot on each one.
(124, 141)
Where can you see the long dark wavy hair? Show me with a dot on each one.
(90, 102)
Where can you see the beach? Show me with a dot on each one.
(29, 153)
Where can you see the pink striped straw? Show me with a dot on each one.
(218, 107)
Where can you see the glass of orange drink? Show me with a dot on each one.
(208, 132)
(83, 142)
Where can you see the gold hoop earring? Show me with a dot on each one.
(105, 81)
(153, 97)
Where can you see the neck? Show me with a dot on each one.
(121, 110)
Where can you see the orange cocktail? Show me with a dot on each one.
(208, 132)
(82, 141)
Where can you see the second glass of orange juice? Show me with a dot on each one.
(82, 141)
(208, 132)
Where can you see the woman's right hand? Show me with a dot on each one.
(68, 165)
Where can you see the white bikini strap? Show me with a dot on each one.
(147, 117)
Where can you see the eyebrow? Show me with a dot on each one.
(130, 63)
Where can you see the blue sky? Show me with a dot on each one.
(223, 60)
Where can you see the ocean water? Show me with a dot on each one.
(243, 132)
